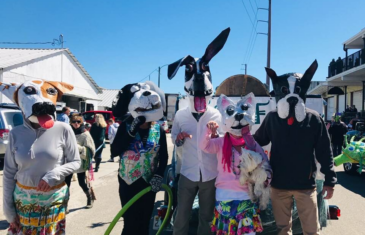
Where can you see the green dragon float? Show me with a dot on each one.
(353, 153)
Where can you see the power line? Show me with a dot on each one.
(252, 36)
(147, 76)
(247, 13)
(256, 4)
(251, 6)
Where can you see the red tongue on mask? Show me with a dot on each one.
(200, 104)
(45, 121)
(290, 121)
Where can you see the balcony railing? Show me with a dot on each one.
(353, 60)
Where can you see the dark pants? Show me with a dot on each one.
(98, 156)
(81, 177)
(138, 216)
(337, 149)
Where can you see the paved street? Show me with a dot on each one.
(349, 196)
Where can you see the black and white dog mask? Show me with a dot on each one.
(235, 116)
(290, 92)
(140, 99)
(198, 79)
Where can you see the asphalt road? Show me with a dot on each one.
(349, 196)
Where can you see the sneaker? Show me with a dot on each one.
(110, 160)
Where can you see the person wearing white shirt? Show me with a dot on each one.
(198, 169)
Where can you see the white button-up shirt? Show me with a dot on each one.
(194, 160)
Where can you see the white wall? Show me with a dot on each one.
(331, 107)
(341, 103)
(357, 100)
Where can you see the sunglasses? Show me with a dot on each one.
(76, 122)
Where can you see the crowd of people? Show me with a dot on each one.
(221, 161)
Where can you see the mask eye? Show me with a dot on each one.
(52, 91)
(284, 90)
(205, 67)
(230, 110)
(135, 88)
(189, 68)
(29, 90)
(244, 107)
(145, 86)
(297, 90)
(351, 148)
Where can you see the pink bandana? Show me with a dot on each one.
(230, 141)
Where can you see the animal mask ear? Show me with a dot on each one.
(249, 98)
(272, 74)
(174, 67)
(10, 90)
(61, 87)
(223, 102)
(216, 45)
(159, 92)
(121, 101)
(308, 75)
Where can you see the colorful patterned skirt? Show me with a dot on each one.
(236, 217)
(40, 213)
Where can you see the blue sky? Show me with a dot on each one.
(120, 42)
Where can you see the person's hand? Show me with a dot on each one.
(245, 130)
(43, 186)
(213, 126)
(329, 191)
(182, 135)
(137, 122)
(156, 183)
(15, 225)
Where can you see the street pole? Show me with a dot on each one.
(245, 69)
(159, 72)
(268, 46)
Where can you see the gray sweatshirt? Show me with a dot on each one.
(36, 154)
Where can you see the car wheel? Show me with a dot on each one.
(351, 168)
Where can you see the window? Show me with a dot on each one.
(106, 116)
(13, 119)
(89, 116)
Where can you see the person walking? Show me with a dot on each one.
(337, 130)
(86, 149)
(97, 132)
(112, 131)
(64, 116)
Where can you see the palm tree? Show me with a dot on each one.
(47, 212)
(31, 208)
(26, 210)
(18, 203)
(41, 210)
(55, 205)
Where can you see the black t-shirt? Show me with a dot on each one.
(293, 149)
(337, 132)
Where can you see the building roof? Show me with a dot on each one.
(356, 41)
(107, 97)
(15, 56)
(241, 85)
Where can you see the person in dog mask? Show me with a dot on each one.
(298, 135)
(141, 144)
(40, 154)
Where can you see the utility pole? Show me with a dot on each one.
(245, 68)
(268, 46)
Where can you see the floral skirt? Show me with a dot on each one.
(40, 213)
(236, 217)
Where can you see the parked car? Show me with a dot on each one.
(89, 117)
(10, 117)
(163, 122)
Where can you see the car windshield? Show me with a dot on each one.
(89, 116)
(106, 116)
(13, 119)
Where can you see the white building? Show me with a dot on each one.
(346, 78)
(107, 96)
(19, 65)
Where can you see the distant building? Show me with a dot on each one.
(346, 78)
(107, 96)
(20, 65)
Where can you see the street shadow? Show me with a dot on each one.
(4, 225)
(77, 209)
(101, 224)
(354, 183)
